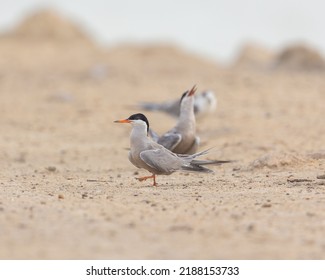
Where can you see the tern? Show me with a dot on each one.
(147, 154)
(182, 138)
(204, 103)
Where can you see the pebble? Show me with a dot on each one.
(266, 205)
(51, 168)
(298, 180)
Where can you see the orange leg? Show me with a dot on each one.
(153, 176)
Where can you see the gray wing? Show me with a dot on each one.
(172, 108)
(170, 140)
(153, 135)
(161, 160)
(169, 107)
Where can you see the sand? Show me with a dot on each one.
(68, 190)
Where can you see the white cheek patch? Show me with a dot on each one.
(139, 123)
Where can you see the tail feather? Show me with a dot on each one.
(212, 162)
(193, 156)
(192, 159)
(196, 168)
(196, 165)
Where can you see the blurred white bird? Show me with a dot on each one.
(204, 103)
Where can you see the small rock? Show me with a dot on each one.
(60, 196)
(298, 180)
(185, 228)
(61, 96)
(321, 177)
(266, 205)
(98, 72)
(131, 225)
(317, 155)
(275, 160)
(250, 227)
(51, 168)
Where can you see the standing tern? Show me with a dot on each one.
(204, 103)
(147, 154)
(182, 138)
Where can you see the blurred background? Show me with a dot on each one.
(212, 28)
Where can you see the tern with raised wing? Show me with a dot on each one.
(182, 138)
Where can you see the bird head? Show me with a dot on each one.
(188, 93)
(136, 120)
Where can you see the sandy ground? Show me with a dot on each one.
(68, 191)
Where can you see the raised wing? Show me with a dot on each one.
(170, 140)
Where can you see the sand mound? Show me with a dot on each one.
(45, 40)
(317, 155)
(47, 25)
(299, 58)
(276, 160)
(160, 61)
(253, 56)
(166, 54)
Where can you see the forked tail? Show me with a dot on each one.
(196, 164)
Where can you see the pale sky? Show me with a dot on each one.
(212, 28)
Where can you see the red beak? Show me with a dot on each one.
(123, 121)
(192, 91)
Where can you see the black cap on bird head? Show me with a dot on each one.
(141, 117)
(183, 95)
(188, 93)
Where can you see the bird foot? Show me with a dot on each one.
(148, 177)
(144, 178)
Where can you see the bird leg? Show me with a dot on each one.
(153, 176)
